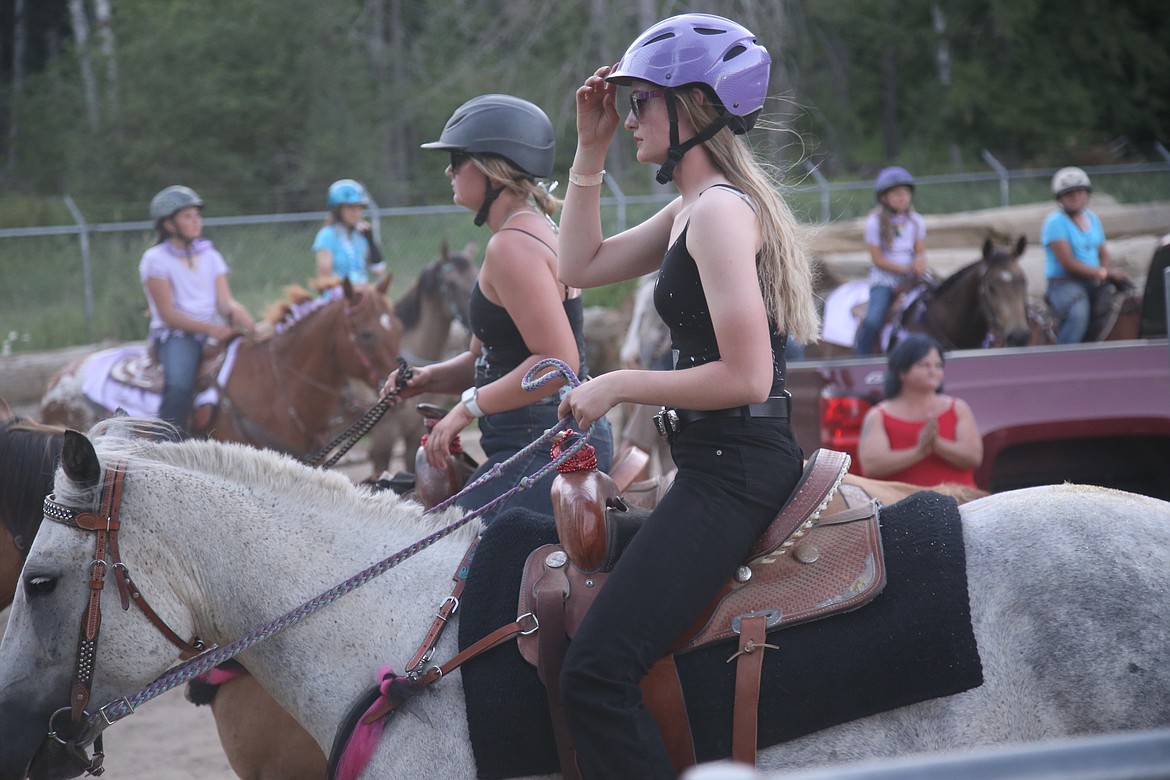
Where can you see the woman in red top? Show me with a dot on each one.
(918, 435)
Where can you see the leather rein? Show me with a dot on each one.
(104, 524)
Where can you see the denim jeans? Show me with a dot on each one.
(880, 299)
(504, 434)
(179, 355)
(733, 477)
(1072, 303)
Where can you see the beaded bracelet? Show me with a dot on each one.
(586, 179)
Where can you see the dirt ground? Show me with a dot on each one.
(167, 739)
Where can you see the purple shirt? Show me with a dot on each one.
(192, 286)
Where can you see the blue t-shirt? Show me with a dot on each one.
(350, 252)
(1085, 244)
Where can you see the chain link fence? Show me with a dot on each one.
(77, 284)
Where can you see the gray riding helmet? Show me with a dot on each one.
(511, 127)
(172, 199)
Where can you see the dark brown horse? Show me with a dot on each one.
(983, 304)
(282, 390)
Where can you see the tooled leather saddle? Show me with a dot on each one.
(804, 567)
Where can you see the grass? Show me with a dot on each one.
(42, 282)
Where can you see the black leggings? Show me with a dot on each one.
(733, 477)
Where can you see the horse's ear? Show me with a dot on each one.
(347, 289)
(988, 248)
(6, 413)
(1021, 245)
(383, 284)
(471, 250)
(80, 460)
(444, 250)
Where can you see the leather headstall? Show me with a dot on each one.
(104, 524)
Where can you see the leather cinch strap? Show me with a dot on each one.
(749, 664)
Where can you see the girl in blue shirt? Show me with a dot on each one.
(1076, 258)
(345, 247)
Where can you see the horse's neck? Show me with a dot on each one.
(293, 381)
(957, 314)
(270, 562)
(428, 338)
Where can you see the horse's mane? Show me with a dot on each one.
(409, 306)
(331, 493)
(298, 302)
(958, 276)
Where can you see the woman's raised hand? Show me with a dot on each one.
(597, 116)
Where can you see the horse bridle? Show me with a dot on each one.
(366, 360)
(104, 524)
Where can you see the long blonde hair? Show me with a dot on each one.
(512, 178)
(783, 265)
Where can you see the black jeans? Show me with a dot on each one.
(733, 477)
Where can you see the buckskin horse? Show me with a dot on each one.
(1067, 587)
(278, 392)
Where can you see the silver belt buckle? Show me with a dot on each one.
(666, 421)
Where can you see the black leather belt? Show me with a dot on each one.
(670, 421)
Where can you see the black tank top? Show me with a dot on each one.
(504, 347)
(682, 305)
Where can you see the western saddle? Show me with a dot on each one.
(804, 567)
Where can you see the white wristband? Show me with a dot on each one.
(469, 400)
(586, 179)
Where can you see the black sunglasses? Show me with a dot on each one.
(637, 98)
(457, 159)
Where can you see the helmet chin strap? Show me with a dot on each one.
(677, 150)
(490, 194)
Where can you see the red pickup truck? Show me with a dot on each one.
(1087, 413)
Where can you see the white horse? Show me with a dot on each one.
(1068, 592)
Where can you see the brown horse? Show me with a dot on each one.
(983, 304)
(439, 297)
(281, 390)
(28, 457)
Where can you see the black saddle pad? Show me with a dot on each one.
(827, 672)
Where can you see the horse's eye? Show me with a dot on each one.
(40, 585)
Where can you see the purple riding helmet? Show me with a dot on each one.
(711, 52)
(891, 177)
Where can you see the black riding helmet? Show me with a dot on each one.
(508, 126)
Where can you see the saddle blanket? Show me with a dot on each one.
(839, 326)
(99, 387)
(826, 672)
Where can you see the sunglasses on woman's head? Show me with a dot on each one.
(637, 98)
(457, 159)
